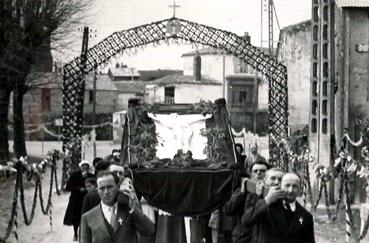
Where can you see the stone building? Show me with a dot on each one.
(294, 51)
(43, 104)
(327, 64)
(240, 86)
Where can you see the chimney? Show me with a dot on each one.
(43, 57)
(197, 67)
(247, 37)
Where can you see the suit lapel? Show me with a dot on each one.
(100, 221)
(279, 215)
(120, 219)
(297, 221)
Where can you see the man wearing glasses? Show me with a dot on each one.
(235, 205)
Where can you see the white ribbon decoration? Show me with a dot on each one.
(355, 144)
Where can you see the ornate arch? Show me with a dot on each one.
(177, 29)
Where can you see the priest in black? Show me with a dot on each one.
(279, 218)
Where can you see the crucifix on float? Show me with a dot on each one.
(174, 6)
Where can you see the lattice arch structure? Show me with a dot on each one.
(173, 28)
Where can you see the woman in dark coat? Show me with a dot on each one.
(76, 186)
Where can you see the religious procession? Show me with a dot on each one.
(194, 121)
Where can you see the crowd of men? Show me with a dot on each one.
(263, 209)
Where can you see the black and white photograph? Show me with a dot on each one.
(184, 121)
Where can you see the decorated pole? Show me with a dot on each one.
(16, 225)
(348, 224)
(51, 217)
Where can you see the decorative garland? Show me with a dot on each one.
(28, 220)
(33, 170)
(13, 214)
(355, 144)
(42, 127)
(44, 210)
(216, 146)
(205, 107)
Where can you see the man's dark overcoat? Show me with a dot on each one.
(276, 224)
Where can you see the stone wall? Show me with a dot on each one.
(294, 51)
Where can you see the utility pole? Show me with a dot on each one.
(94, 111)
(93, 135)
(87, 34)
(224, 79)
(270, 27)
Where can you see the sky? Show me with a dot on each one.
(237, 16)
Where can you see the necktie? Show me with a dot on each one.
(287, 207)
(112, 216)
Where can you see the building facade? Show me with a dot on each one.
(246, 92)
(182, 89)
(44, 104)
(294, 51)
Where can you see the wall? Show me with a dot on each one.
(358, 68)
(211, 65)
(352, 82)
(263, 96)
(294, 52)
(122, 100)
(184, 93)
(106, 101)
(33, 114)
(154, 93)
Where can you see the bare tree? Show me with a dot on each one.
(26, 27)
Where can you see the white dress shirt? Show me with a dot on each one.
(292, 205)
(107, 210)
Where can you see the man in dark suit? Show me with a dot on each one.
(236, 204)
(92, 199)
(279, 218)
(110, 222)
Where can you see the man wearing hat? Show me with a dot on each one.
(76, 186)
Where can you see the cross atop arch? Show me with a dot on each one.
(174, 6)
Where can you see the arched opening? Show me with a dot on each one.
(161, 31)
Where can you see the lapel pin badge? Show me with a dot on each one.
(120, 221)
(301, 220)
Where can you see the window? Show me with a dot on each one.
(169, 95)
(45, 100)
(313, 126)
(243, 67)
(314, 107)
(325, 126)
(90, 96)
(242, 97)
(315, 88)
(325, 107)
